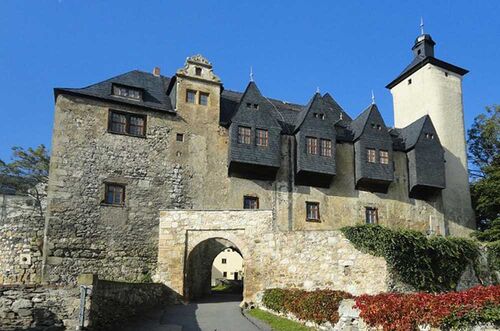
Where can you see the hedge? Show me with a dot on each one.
(319, 306)
(452, 310)
(431, 264)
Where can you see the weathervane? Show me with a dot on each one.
(317, 90)
(373, 98)
(251, 73)
(421, 25)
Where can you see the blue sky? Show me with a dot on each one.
(347, 48)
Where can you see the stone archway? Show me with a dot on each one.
(199, 266)
(181, 231)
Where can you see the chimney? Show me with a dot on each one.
(156, 71)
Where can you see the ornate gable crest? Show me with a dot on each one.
(197, 66)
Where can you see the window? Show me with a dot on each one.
(224, 274)
(255, 106)
(326, 147)
(312, 145)
(371, 215)
(179, 137)
(261, 137)
(115, 194)
(322, 116)
(126, 123)
(197, 71)
(224, 261)
(203, 99)
(249, 105)
(250, 202)
(371, 155)
(409, 81)
(190, 96)
(127, 92)
(312, 209)
(429, 135)
(384, 157)
(446, 74)
(244, 134)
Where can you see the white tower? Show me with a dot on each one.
(434, 87)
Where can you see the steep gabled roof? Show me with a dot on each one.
(359, 123)
(411, 133)
(330, 101)
(316, 103)
(153, 88)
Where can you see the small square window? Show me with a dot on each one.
(115, 194)
(409, 81)
(371, 215)
(371, 155)
(198, 71)
(244, 135)
(203, 99)
(224, 261)
(179, 137)
(445, 74)
(250, 202)
(224, 274)
(190, 96)
(312, 211)
(384, 157)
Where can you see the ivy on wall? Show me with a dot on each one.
(431, 264)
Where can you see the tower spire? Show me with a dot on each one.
(421, 25)
(251, 73)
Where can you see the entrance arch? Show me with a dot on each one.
(188, 236)
(199, 266)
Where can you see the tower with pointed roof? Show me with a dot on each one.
(429, 86)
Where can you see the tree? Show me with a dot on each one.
(27, 173)
(484, 153)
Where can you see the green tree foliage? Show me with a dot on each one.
(484, 153)
(27, 170)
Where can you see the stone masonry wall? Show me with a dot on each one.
(21, 240)
(302, 259)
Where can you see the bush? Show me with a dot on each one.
(427, 264)
(400, 312)
(319, 306)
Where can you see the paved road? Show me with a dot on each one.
(213, 314)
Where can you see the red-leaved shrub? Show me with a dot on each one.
(403, 312)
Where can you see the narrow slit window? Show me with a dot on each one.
(326, 147)
(244, 135)
(312, 145)
(312, 209)
(261, 137)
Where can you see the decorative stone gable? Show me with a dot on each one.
(197, 66)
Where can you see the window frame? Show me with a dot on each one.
(309, 147)
(309, 206)
(322, 148)
(368, 155)
(118, 87)
(252, 199)
(188, 91)
(383, 158)
(200, 94)
(371, 212)
(259, 139)
(127, 123)
(107, 187)
(241, 138)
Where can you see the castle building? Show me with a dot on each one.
(130, 146)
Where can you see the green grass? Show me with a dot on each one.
(277, 323)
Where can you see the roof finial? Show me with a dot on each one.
(373, 98)
(251, 73)
(421, 25)
(317, 90)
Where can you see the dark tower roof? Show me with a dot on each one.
(423, 51)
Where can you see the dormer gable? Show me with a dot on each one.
(337, 110)
(369, 122)
(420, 131)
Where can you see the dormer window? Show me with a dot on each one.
(379, 127)
(197, 71)
(322, 116)
(255, 106)
(429, 135)
(249, 105)
(127, 92)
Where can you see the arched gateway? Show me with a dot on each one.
(189, 240)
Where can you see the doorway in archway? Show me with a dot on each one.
(204, 265)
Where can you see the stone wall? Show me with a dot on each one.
(21, 239)
(303, 259)
(38, 308)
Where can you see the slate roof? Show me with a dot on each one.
(153, 88)
(358, 125)
(412, 132)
